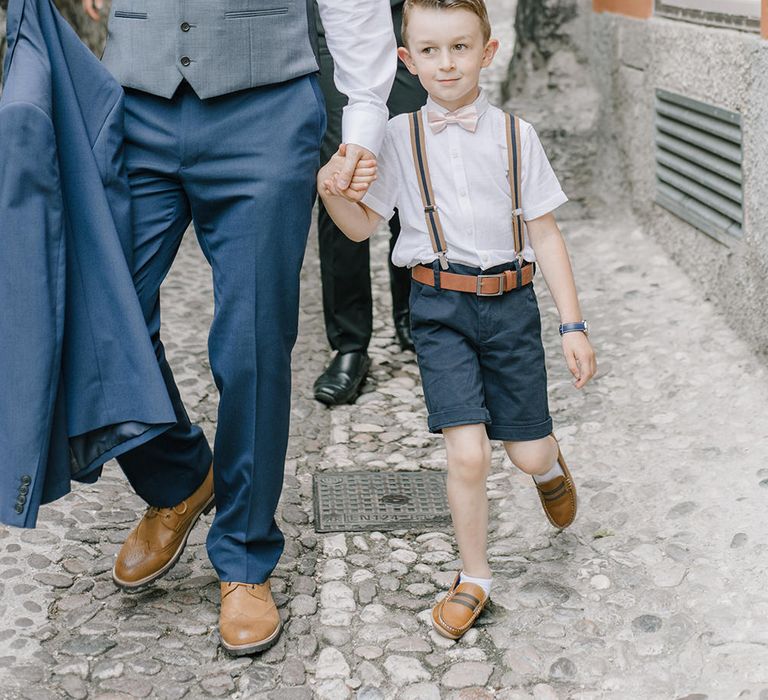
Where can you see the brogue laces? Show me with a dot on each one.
(166, 513)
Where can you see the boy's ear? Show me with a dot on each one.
(489, 52)
(405, 56)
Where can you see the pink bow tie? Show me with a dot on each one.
(465, 117)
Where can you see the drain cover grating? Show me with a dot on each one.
(354, 501)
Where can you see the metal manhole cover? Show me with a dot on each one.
(361, 501)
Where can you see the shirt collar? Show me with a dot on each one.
(480, 103)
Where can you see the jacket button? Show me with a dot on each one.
(19, 509)
(27, 480)
(20, 501)
(185, 26)
(23, 489)
(185, 60)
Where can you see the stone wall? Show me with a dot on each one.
(94, 34)
(3, 8)
(631, 59)
(588, 81)
(550, 84)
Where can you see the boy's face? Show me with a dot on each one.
(446, 50)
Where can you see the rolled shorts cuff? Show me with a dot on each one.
(520, 433)
(464, 415)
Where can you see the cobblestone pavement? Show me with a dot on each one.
(656, 592)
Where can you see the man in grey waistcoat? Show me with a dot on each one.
(224, 119)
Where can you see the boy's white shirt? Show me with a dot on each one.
(362, 43)
(469, 179)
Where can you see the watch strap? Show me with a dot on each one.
(573, 327)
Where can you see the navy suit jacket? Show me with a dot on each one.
(79, 380)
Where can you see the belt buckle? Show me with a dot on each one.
(481, 293)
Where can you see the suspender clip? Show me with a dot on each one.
(430, 208)
(443, 260)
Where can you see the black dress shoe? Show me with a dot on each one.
(403, 331)
(343, 378)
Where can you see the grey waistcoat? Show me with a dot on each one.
(218, 46)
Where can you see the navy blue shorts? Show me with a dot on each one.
(481, 359)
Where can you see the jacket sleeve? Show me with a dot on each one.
(31, 305)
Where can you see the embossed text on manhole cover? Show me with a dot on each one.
(354, 501)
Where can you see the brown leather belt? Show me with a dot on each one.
(481, 285)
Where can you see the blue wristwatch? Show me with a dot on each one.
(577, 326)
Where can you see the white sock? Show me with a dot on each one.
(556, 470)
(484, 583)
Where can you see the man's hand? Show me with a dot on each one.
(352, 154)
(362, 174)
(580, 357)
(92, 8)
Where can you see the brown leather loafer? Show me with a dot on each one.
(457, 612)
(558, 496)
(249, 621)
(156, 543)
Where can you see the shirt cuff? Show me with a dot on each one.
(378, 206)
(544, 207)
(365, 125)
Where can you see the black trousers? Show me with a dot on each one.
(345, 265)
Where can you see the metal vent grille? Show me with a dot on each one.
(698, 164)
(359, 501)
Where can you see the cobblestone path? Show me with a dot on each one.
(658, 591)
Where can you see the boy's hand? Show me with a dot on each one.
(352, 154)
(330, 176)
(92, 8)
(580, 357)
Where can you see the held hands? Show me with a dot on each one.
(92, 8)
(349, 173)
(580, 357)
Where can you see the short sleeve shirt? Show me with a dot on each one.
(469, 172)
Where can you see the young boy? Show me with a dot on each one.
(463, 186)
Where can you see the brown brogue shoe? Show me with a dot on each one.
(249, 621)
(457, 612)
(558, 496)
(156, 543)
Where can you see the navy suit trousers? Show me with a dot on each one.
(242, 168)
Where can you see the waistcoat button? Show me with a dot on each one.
(185, 60)
(185, 26)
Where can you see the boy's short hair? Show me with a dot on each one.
(476, 7)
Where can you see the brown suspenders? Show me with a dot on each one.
(431, 214)
(434, 227)
(513, 153)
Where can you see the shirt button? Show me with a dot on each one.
(185, 26)
(185, 60)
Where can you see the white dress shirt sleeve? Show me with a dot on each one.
(383, 193)
(362, 44)
(541, 192)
